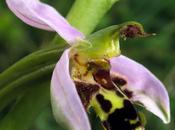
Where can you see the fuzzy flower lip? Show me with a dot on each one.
(43, 16)
(145, 87)
(67, 107)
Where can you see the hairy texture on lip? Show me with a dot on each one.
(101, 93)
(118, 80)
(101, 73)
(103, 77)
(120, 118)
(105, 104)
(121, 82)
(85, 91)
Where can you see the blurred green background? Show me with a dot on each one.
(157, 52)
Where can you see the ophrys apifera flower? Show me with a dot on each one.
(92, 73)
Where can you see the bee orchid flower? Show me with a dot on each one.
(92, 73)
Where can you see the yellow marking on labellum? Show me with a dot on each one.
(79, 69)
(133, 121)
(139, 128)
(110, 95)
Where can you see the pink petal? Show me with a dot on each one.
(66, 104)
(145, 87)
(43, 16)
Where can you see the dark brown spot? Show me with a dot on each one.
(93, 65)
(129, 111)
(103, 64)
(105, 104)
(128, 93)
(85, 91)
(119, 81)
(102, 77)
(119, 119)
(131, 31)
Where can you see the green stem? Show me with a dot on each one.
(29, 64)
(86, 14)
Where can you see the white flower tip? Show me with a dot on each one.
(167, 117)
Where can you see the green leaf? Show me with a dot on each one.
(29, 71)
(26, 109)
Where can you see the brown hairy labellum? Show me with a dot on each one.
(102, 77)
(121, 82)
(85, 91)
